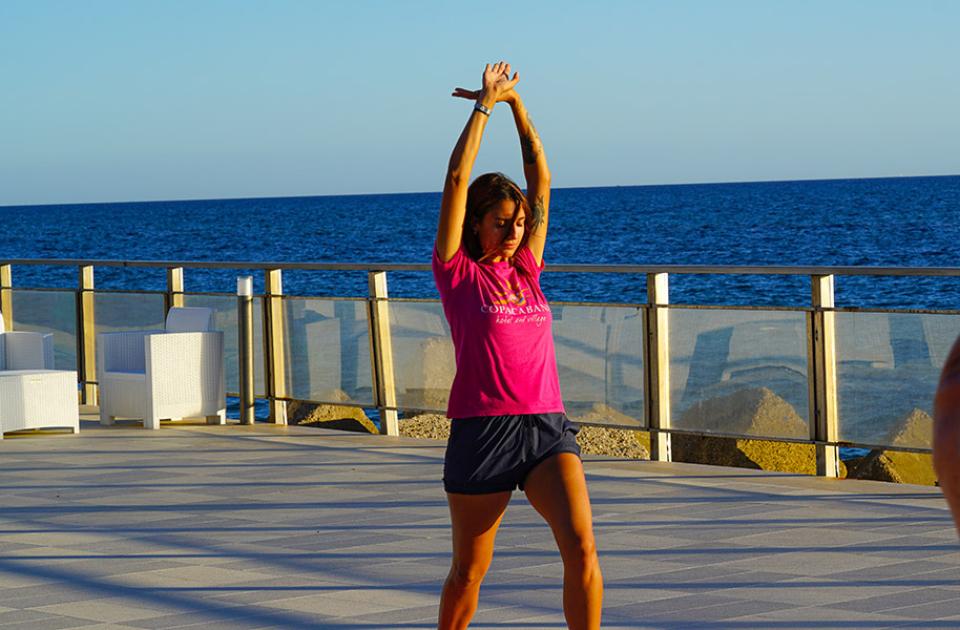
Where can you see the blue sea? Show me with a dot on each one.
(911, 221)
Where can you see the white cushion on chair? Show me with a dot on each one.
(20, 350)
(28, 351)
(189, 319)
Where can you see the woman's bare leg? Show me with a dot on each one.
(558, 491)
(475, 519)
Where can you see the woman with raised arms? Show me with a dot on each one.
(508, 427)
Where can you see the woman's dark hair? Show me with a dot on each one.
(484, 193)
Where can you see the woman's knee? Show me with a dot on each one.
(578, 548)
(468, 574)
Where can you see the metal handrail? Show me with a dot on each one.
(805, 270)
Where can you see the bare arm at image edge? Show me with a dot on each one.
(946, 432)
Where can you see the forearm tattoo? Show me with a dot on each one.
(537, 213)
(529, 144)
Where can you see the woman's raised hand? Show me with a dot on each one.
(496, 83)
(496, 78)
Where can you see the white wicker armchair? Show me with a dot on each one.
(25, 350)
(171, 374)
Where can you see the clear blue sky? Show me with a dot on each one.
(133, 100)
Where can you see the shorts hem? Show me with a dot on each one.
(574, 449)
(478, 489)
(566, 448)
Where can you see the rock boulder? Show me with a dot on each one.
(916, 430)
(328, 416)
(748, 411)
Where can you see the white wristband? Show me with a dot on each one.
(483, 109)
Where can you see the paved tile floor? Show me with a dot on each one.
(273, 527)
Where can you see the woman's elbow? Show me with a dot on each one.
(455, 175)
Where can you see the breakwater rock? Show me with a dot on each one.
(913, 430)
(748, 411)
(342, 417)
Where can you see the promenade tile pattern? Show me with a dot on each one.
(274, 527)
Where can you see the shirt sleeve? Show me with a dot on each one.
(529, 263)
(447, 275)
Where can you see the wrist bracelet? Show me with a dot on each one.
(483, 109)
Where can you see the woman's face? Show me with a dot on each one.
(500, 231)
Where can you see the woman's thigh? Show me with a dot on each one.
(557, 489)
(475, 519)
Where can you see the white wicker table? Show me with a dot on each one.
(38, 399)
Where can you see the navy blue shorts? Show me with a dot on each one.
(496, 453)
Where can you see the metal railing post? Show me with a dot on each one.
(822, 355)
(245, 344)
(656, 366)
(174, 295)
(381, 352)
(275, 345)
(86, 336)
(6, 296)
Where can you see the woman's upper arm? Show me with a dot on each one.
(453, 209)
(538, 197)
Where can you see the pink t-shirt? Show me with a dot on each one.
(501, 328)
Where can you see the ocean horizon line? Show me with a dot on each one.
(437, 192)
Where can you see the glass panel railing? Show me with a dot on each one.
(328, 350)
(225, 319)
(49, 312)
(888, 365)
(599, 359)
(423, 359)
(739, 372)
(600, 362)
(121, 312)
